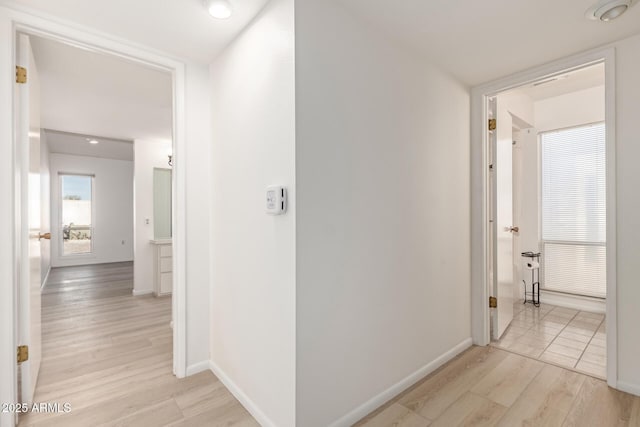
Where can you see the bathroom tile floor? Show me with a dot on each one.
(562, 336)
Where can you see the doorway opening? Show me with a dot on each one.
(79, 172)
(481, 196)
(547, 214)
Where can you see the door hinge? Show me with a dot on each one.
(21, 74)
(23, 353)
(492, 124)
(493, 302)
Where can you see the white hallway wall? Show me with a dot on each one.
(382, 173)
(253, 292)
(370, 276)
(147, 156)
(113, 204)
(198, 213)
(332, 331)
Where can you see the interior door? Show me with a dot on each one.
(503, 229)
(28, 147)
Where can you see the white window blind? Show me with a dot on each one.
(574, 210)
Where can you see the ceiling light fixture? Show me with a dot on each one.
(608, 10)
(93, 141)
(220, 9)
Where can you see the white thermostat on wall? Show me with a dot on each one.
(276, 200)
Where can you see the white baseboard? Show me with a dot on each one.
(81, 260)
(575, 302)
(628, 388)
(248, 404)
(137, 293)
(197, 367)
(374, 403)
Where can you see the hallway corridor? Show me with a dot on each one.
(108, 354)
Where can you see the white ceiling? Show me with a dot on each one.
(96, 94)
(182, 28)
(574, 81)
(69, 143)
(478, 41)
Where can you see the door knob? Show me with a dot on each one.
(44, 236)
(514, 229)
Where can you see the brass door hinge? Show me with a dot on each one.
(21, 74)
(492, 124)
(493, 302)
(23, 353)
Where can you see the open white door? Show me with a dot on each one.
(28, 150)
(502, 183)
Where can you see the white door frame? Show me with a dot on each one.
(479, 191)
(13, 21)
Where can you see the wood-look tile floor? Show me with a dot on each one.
(488, 386)
(109, 354)
(561, 336)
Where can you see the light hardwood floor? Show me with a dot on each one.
(108, 354)
(487, 386)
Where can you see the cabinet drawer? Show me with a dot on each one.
(166, 265)
(165, 250)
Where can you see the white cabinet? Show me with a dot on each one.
(163, 267)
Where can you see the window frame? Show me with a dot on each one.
(60, 238)
(541, 240)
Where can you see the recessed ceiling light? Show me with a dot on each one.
(608, 10)
(220, 9)
(94, 141)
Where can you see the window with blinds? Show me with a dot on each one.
(573, 210)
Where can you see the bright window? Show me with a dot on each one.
(76, 193)
(574, 210)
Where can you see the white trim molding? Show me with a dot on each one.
(196, 368)
(576, 302)
(16, 19)
(629, 388)
(377, 401)
(137, 293)
(8, 260)
(479, 191)
(242, 397)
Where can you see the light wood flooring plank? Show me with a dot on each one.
(486, 386)
(598, 405)
(108, 354)
(471, 410)
(431, 397)
(396, 415)
(165, 412)
(547, 400)
(506, 381)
